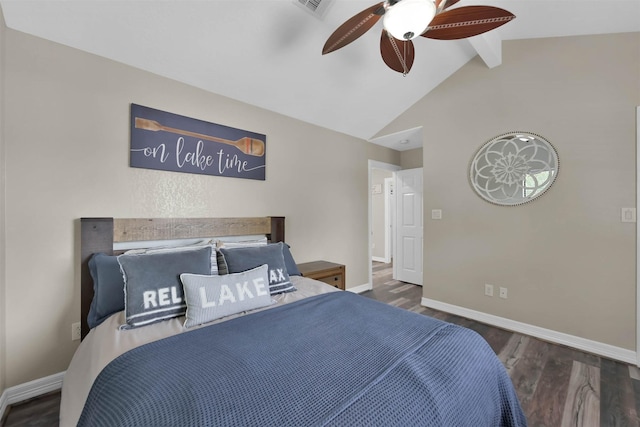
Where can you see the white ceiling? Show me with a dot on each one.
(268, 52)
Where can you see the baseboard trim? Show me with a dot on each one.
(3, 406)
(29, 390)
(360, 289)
(595, 347)
(379, 259)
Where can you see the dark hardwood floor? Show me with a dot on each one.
(557, 386)
(42, 411)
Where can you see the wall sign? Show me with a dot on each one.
(166, 141)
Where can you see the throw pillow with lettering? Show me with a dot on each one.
(153, 290)
(242, 259)
(212, 297)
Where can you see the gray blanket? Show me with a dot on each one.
(337, 359)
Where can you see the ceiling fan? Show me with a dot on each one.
(405, 20)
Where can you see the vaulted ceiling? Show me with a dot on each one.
(268, 52)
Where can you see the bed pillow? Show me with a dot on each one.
(212, 297)
(222, 266)
(238, 260)
(292, 267)
(200, 244)
(153, 290)
(108, 288)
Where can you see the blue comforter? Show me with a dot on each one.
(336, 359)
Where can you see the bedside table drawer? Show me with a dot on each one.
(337, 280)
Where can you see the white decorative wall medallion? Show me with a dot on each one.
(514, 168)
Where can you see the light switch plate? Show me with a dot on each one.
(436, 213)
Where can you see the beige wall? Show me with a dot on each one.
(566, 259)
(2, 210)
(67, 139)
(411, 159)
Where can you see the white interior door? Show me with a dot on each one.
(407, 263)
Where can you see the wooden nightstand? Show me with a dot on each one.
(324, 271)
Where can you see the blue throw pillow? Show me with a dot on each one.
(292, 267)
(153, 290)
(108, 288)
(238, 260)
(212, 297)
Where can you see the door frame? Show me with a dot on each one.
(374, 164)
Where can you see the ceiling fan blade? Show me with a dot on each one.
(353, 28)
(467, 21)
(397, 54)
(443, 4)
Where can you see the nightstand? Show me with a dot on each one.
(324, 271)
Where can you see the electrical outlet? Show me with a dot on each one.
(76, 332)
(488, 290)
(628, 214)
(503, 293)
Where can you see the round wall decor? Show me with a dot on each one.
(514, 168)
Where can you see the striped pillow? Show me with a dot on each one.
(212, 297)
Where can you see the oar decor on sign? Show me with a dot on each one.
(251, 146)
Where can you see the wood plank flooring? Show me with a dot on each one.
(557, 386)
(42, 411)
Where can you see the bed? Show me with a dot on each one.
(307, 354)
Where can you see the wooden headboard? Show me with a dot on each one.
(99, 235)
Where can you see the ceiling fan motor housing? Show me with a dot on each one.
(407, 19)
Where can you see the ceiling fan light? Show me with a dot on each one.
(407, 19)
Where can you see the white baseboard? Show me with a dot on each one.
(30, 390)
(379, 259)
(601, 349)
(360, 289)
(3, 404)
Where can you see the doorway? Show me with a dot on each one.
(381, 216)
(384, 170)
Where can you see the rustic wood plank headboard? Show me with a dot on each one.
(99, 235)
